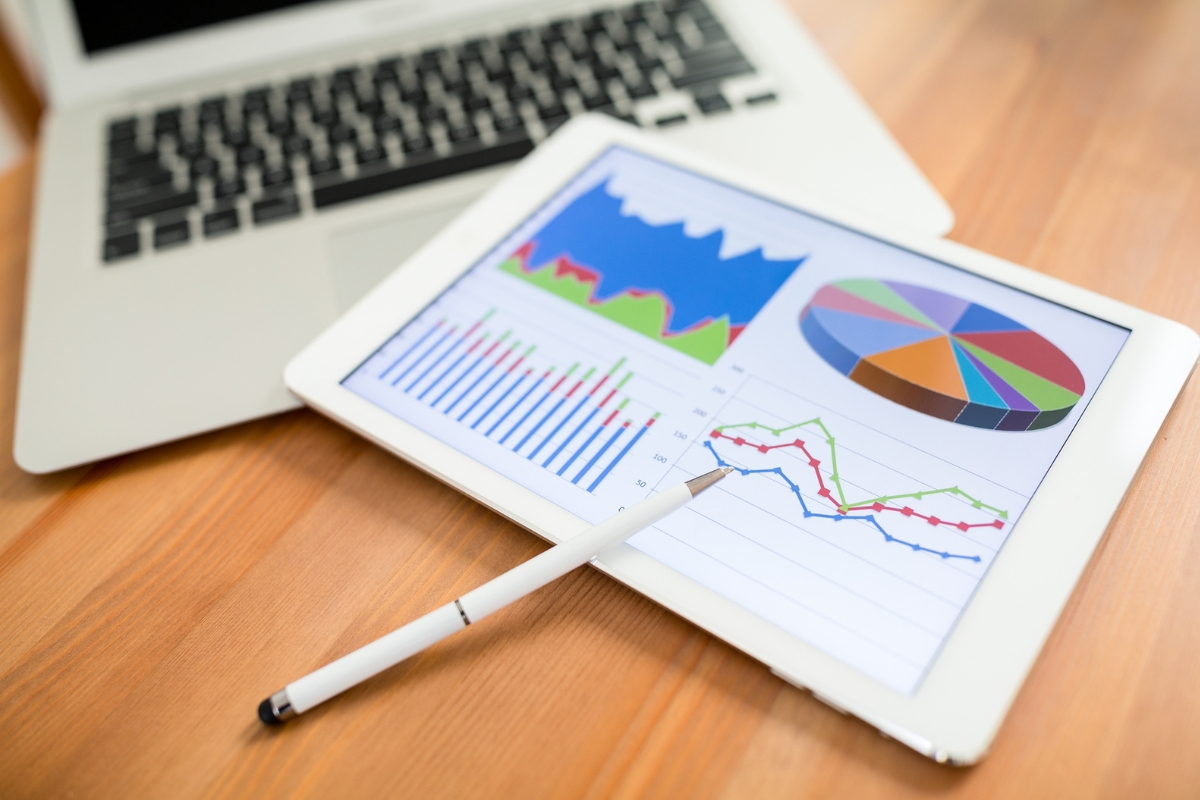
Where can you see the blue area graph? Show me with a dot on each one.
(628, 255)
(869, 518)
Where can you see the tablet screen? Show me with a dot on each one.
(889, 417)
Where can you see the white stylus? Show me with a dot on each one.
(350, 670)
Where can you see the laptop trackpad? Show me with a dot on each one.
(362, 257)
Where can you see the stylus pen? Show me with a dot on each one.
(350, 670)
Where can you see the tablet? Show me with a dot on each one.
(928, 441)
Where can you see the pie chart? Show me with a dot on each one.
(941, 355)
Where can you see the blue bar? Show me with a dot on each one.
(541, 422)
(520, 379)
(409, 351)
(490, 390)
(513, 408)
(456, 381)
(592, 461)
(449, 369)
(559, 426)
(470, 389)
(620, 455)
(453, 346)
(567, 440)
(410, 367)
(526, 416)
(578, 452)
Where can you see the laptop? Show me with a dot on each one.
(219, 180)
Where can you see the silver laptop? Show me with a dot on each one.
(218, 180)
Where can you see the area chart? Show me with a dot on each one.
(653, 279)
(941, 355)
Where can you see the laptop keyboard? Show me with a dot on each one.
(276, 152)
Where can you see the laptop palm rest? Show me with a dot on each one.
(361, 257)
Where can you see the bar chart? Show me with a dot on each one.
(575, 420)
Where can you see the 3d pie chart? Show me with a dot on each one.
(941, 355)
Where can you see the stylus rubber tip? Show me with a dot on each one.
(267, 714)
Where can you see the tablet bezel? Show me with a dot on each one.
(956, 711)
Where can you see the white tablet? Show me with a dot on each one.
(929, 441)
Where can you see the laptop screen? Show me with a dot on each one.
(105, 25)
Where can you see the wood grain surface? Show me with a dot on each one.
(149, 602)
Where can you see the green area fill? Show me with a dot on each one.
(646, 314)
(879, 294)
(1042, 393)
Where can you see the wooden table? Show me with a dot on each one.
(149, 602)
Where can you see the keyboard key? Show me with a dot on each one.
(229, 187)
(477, 102)
(122, 129)
(158, 204)
(134, 168)
(552, 111)
(276, 176)
(341, 134)
(300, 90)
(250, 154)
(714, 103)
(463, 133)
(325, 116)
(417, 144)
(220, 222)
(596, 101)
(280, 126)
(674, 119)
(212, 110)
(236, 137)
(519, 92)
(139, 185)
(296, 144)
(370, 106)
(322, 165)
(344, 79)
(369, 154)
(255, 101)
(641, 91)
(124, 150)
(712, 65)
(191, 148)
(276, 208)
(432, 113)
(502, 123)
(121, 246)
(385, 123)
(420, 172)
(171, 233)
(761, 99)
(167, 120)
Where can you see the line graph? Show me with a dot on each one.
(840, 515)
(876, 504)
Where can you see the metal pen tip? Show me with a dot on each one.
(701, 482)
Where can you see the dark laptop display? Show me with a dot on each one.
(106, 25)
